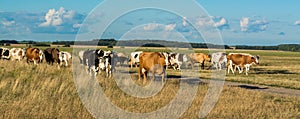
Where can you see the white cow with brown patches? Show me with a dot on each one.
(241, 60)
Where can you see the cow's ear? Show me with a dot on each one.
(257, 56)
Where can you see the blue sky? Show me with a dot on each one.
(240, 22)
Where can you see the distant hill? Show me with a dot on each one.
(154, 43)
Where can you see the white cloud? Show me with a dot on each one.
(253, 24)
(56, 18)
(77, 25)
(170, 27)
(184, 21)
(7, 23)
(297, 22)
(150, 27)
(211, 22)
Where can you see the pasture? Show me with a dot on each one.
(44, 91)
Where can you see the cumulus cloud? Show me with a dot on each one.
(56, 18)
(6, 23)
(150, 27)
(210, 22)
(253, 24)
(297, 22)
(170, 27)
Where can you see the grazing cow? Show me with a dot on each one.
(4, 53)
(199, 58)
(218, 60)
(64, 57)
(17, 54)
(94, 60)
(51, 55)
(241, 60)
(134, 58)
(152, 62)
(33, 54)
(177, 59)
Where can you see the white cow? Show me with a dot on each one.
(64, 57)
(218, 60)
(17, 53)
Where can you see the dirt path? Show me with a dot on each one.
(268, 89)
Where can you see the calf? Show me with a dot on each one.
(218, 60)
(64, 57)
(33, 54)
(17, 54)
(51, 55)
(134, 58)
(241, 60)
(153, 62)
(199, 58)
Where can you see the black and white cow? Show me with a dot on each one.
(134, 58)
(99, 60)
(177, 59)
(91, 59)
(4, 53)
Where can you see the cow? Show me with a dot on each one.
(121, 58)
(93, 60)
(4, 53)
(17, 53)
(177, 59)
(42, 56)
(134, 58)
(241, 60)
(153, 62)
(199, 58)
(32, 54)
(218, 60)
(51, 55)
(64, 57)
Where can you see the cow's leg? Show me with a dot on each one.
(145, 76)
(153, 75)
(202, 65)
(140, 72)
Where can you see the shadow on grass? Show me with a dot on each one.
(249, 87)
(263, 71)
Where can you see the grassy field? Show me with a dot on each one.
(43, 91)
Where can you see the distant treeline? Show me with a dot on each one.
(154, 43)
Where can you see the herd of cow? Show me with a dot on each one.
(99, 60)
(157, 62)
(35, 55)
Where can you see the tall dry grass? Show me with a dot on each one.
(44, 91)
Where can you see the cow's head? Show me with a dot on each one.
(207, 57)
(255, 59)
(101, 63)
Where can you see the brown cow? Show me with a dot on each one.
(153, 62)
(33, 54)
(199, 58)
(241, 60)
(52, 55)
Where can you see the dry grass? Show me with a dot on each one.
(44, 91)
